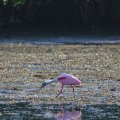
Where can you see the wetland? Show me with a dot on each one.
(23, 67)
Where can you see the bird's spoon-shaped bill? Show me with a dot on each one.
(43, 85)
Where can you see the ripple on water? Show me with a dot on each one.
(5, 92)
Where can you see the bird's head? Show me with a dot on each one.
(43, 84)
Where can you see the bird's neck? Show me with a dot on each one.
(51, 81)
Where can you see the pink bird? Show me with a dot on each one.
(65, 79)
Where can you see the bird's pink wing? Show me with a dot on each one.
(68, 80)
(61, 78)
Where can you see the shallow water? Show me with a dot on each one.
(24, 67)
(71, 111)
(61, 40)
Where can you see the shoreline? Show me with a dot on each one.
(60, 36)
(62, 40)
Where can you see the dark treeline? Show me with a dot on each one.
(60, 12)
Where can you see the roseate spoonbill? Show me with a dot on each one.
(65, 79)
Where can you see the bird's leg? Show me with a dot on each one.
(62, 107)
(60, 92)
(73, 90)
(72, 108)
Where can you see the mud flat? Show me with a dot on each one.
(24, 67)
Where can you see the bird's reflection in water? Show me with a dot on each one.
(69, 115)
(63, 114)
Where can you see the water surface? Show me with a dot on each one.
(71, 111)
